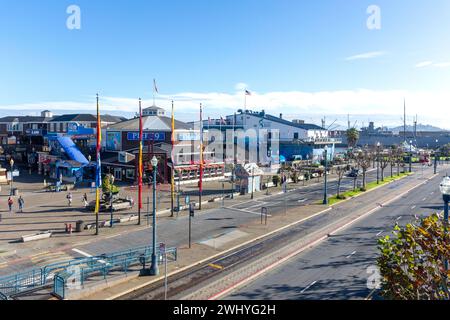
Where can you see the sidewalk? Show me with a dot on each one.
(49, 211)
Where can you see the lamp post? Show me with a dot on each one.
(11, 162)
(378, 162)
(111, 180)
(445, 190)
(410, 156)
(325, 193)
(154, 267)
(436, 158)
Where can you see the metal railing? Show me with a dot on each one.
(21, 282)
(88, 268)
(103, 266)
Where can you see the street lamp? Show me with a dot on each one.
(11, 162)
(436, 157)
(325, 193)
(378, 162)
(445, 190)
(154, 267)
(410, 156)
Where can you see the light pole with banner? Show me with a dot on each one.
(154, 271)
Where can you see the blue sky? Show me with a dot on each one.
(292, 54)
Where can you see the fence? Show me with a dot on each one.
(79, 273)
(85, 268)
(21, 282)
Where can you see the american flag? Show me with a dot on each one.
(248, 93)
(154, 86)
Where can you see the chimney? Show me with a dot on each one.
(281, 116)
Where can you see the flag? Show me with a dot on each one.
(140, 165)
(222, 120)
(248, 93)
(154, 86)
(98, 179)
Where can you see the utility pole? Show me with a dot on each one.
(325, 196)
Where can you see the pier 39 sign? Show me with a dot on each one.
(147, 136)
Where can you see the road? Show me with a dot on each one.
(214, 222)
(337, 268)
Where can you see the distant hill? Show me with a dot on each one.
(420, 127)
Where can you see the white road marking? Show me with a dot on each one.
(413, 207)
(303, 200)
(398, 218)
(351, 254)
(247, 211)
(379, 233)
(424, 199)
(256, 205)
(83, 253)
(87, 255)
(308, 287)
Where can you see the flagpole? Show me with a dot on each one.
(201, 158)
(172, 180)
(140, 163)
(98, 169)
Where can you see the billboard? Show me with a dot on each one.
(113, 141)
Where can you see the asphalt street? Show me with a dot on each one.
(212, 223)
(339, 268)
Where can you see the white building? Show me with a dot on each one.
(289, 130)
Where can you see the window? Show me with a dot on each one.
(296, 135)
(130, 174)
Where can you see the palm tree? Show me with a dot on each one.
(352, 137)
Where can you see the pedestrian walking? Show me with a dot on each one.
(10, 204)
(69, 199)
(21, 204)
(85, 200)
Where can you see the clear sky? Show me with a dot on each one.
(303, 57)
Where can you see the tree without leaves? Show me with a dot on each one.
(412, 263)
(384, 159)
(364, 160)
(340, 172)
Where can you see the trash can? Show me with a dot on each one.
(80, 226)
(15, 192)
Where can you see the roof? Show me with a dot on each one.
(85, 117)
(305, 126)
(25, 119)
(149, 123)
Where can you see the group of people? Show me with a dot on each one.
(20, 201)
(70, 199)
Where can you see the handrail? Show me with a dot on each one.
(35, 278)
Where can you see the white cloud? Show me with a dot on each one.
(367, 55)
(388, 105)
(432, 64)
(442, 65)
(424, 64)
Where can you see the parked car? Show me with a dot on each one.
(353, 174)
